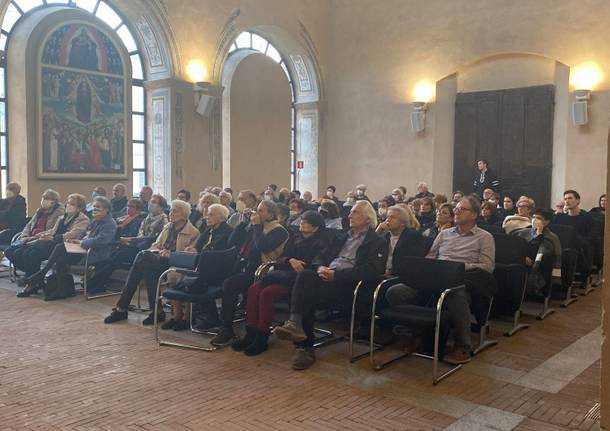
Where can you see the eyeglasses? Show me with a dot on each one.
(460, 210)
(523, 206)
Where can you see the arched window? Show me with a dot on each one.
(252, 41)
(16, 10)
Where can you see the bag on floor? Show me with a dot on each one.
(58, 286)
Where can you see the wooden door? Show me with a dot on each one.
(513, 130)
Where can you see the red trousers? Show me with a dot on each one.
(260, 303)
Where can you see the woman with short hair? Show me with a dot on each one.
(28, 256)
(525, 210)
(97, 239)
(332, 215)
(197, 217)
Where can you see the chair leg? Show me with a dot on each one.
(517, 326)
(570, 297)
(483, 343)
(588, 286)
(138, 307)
(546, 310)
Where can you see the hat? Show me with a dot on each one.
(546, 213)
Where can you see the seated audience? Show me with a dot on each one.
(226, 199)
(297, 208)
(229, 190)
(523, 218)
(560, 207)
(215, 237)
(309, 202)
(601, 207)
(128, 246)
(361, 193)
(488, 194)
(301, 250)
(426, 216)
(118, 201)
(27, 254)
(332, 216)
(45, 217)
(476, 249)
(260, 238)
(146, 193)
(97, 239)
(544, 252)
(216, 190)
(197, 217)
(489, 213)
(284, 196)
(149, 264)
(508, 208)
(246, 202)
(423, 192)
(458, 195)
(439, 199)
(283, 214)
(129, 224)
(359, 254)
(415, 205)
(97, 191)
(398, 195)
(576, 217)
(330, 194)
(184, 195)
(382, 207)
(444, 220)
(268, 195)
(12, 213)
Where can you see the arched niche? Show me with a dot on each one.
(304, 76)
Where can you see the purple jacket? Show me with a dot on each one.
(99, 237)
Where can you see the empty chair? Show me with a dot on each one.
(569, 259)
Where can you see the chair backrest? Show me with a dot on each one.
(566, 234)
(491, 228)
(215, 266)
(510, 249)
(429, 275)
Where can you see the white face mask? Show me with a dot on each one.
(71, 209)
(350, 202)
(329, 194)
(9, 194)
(268, 197)
(46, 203)
(396, 198)
(154, 208)
(360, 192)
(293, 213)
(240, 206)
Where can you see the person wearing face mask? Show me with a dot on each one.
(297, 208)
(129, 244)
(299, 253)
(198, 216)
(246, 202)
(45, 217)
(382, 207)
(332, 216)
(544, 252)
(97, 239)
(330, 194)
(12, 213)
(28, 256)
(398, 195)
(129, 224)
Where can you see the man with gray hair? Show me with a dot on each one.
(422, 191)
(118, 201)
(359, 254)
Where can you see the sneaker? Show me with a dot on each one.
(290, 331)
(150, 320)
(181, 325)
(116, 316)
(224, 338)
(457, 357)
(303, 359)
(170, 324)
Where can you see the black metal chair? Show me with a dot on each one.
(598, 247)
(511, 275)
(202, 285)
(435, 278)
(569, 259)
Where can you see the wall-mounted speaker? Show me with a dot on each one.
(580, 116)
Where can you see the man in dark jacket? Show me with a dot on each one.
(485, 179)
(119, 201)
(359, 254)
(12, 212)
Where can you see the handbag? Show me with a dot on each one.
(182, 259)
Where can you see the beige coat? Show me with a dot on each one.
(78, 226)
(186, 238)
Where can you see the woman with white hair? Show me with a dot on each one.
(197, 218)
(523, 219)
(214, 237)
(149, 264)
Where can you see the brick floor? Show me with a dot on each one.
(62, 368)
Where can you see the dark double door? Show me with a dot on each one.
(513, 130)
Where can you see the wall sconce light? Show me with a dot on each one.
(205, 94)
(423, 92)
(584, 78)
(580, 115)
(418, 117)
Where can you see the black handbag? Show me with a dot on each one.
(182, 259)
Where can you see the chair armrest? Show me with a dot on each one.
(445, 294)
(185, 272)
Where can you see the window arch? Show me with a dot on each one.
(252, 41)
(18, 9)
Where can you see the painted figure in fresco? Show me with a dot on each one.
(83, 52)
(83, 103)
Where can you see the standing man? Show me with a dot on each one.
(486, 179)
